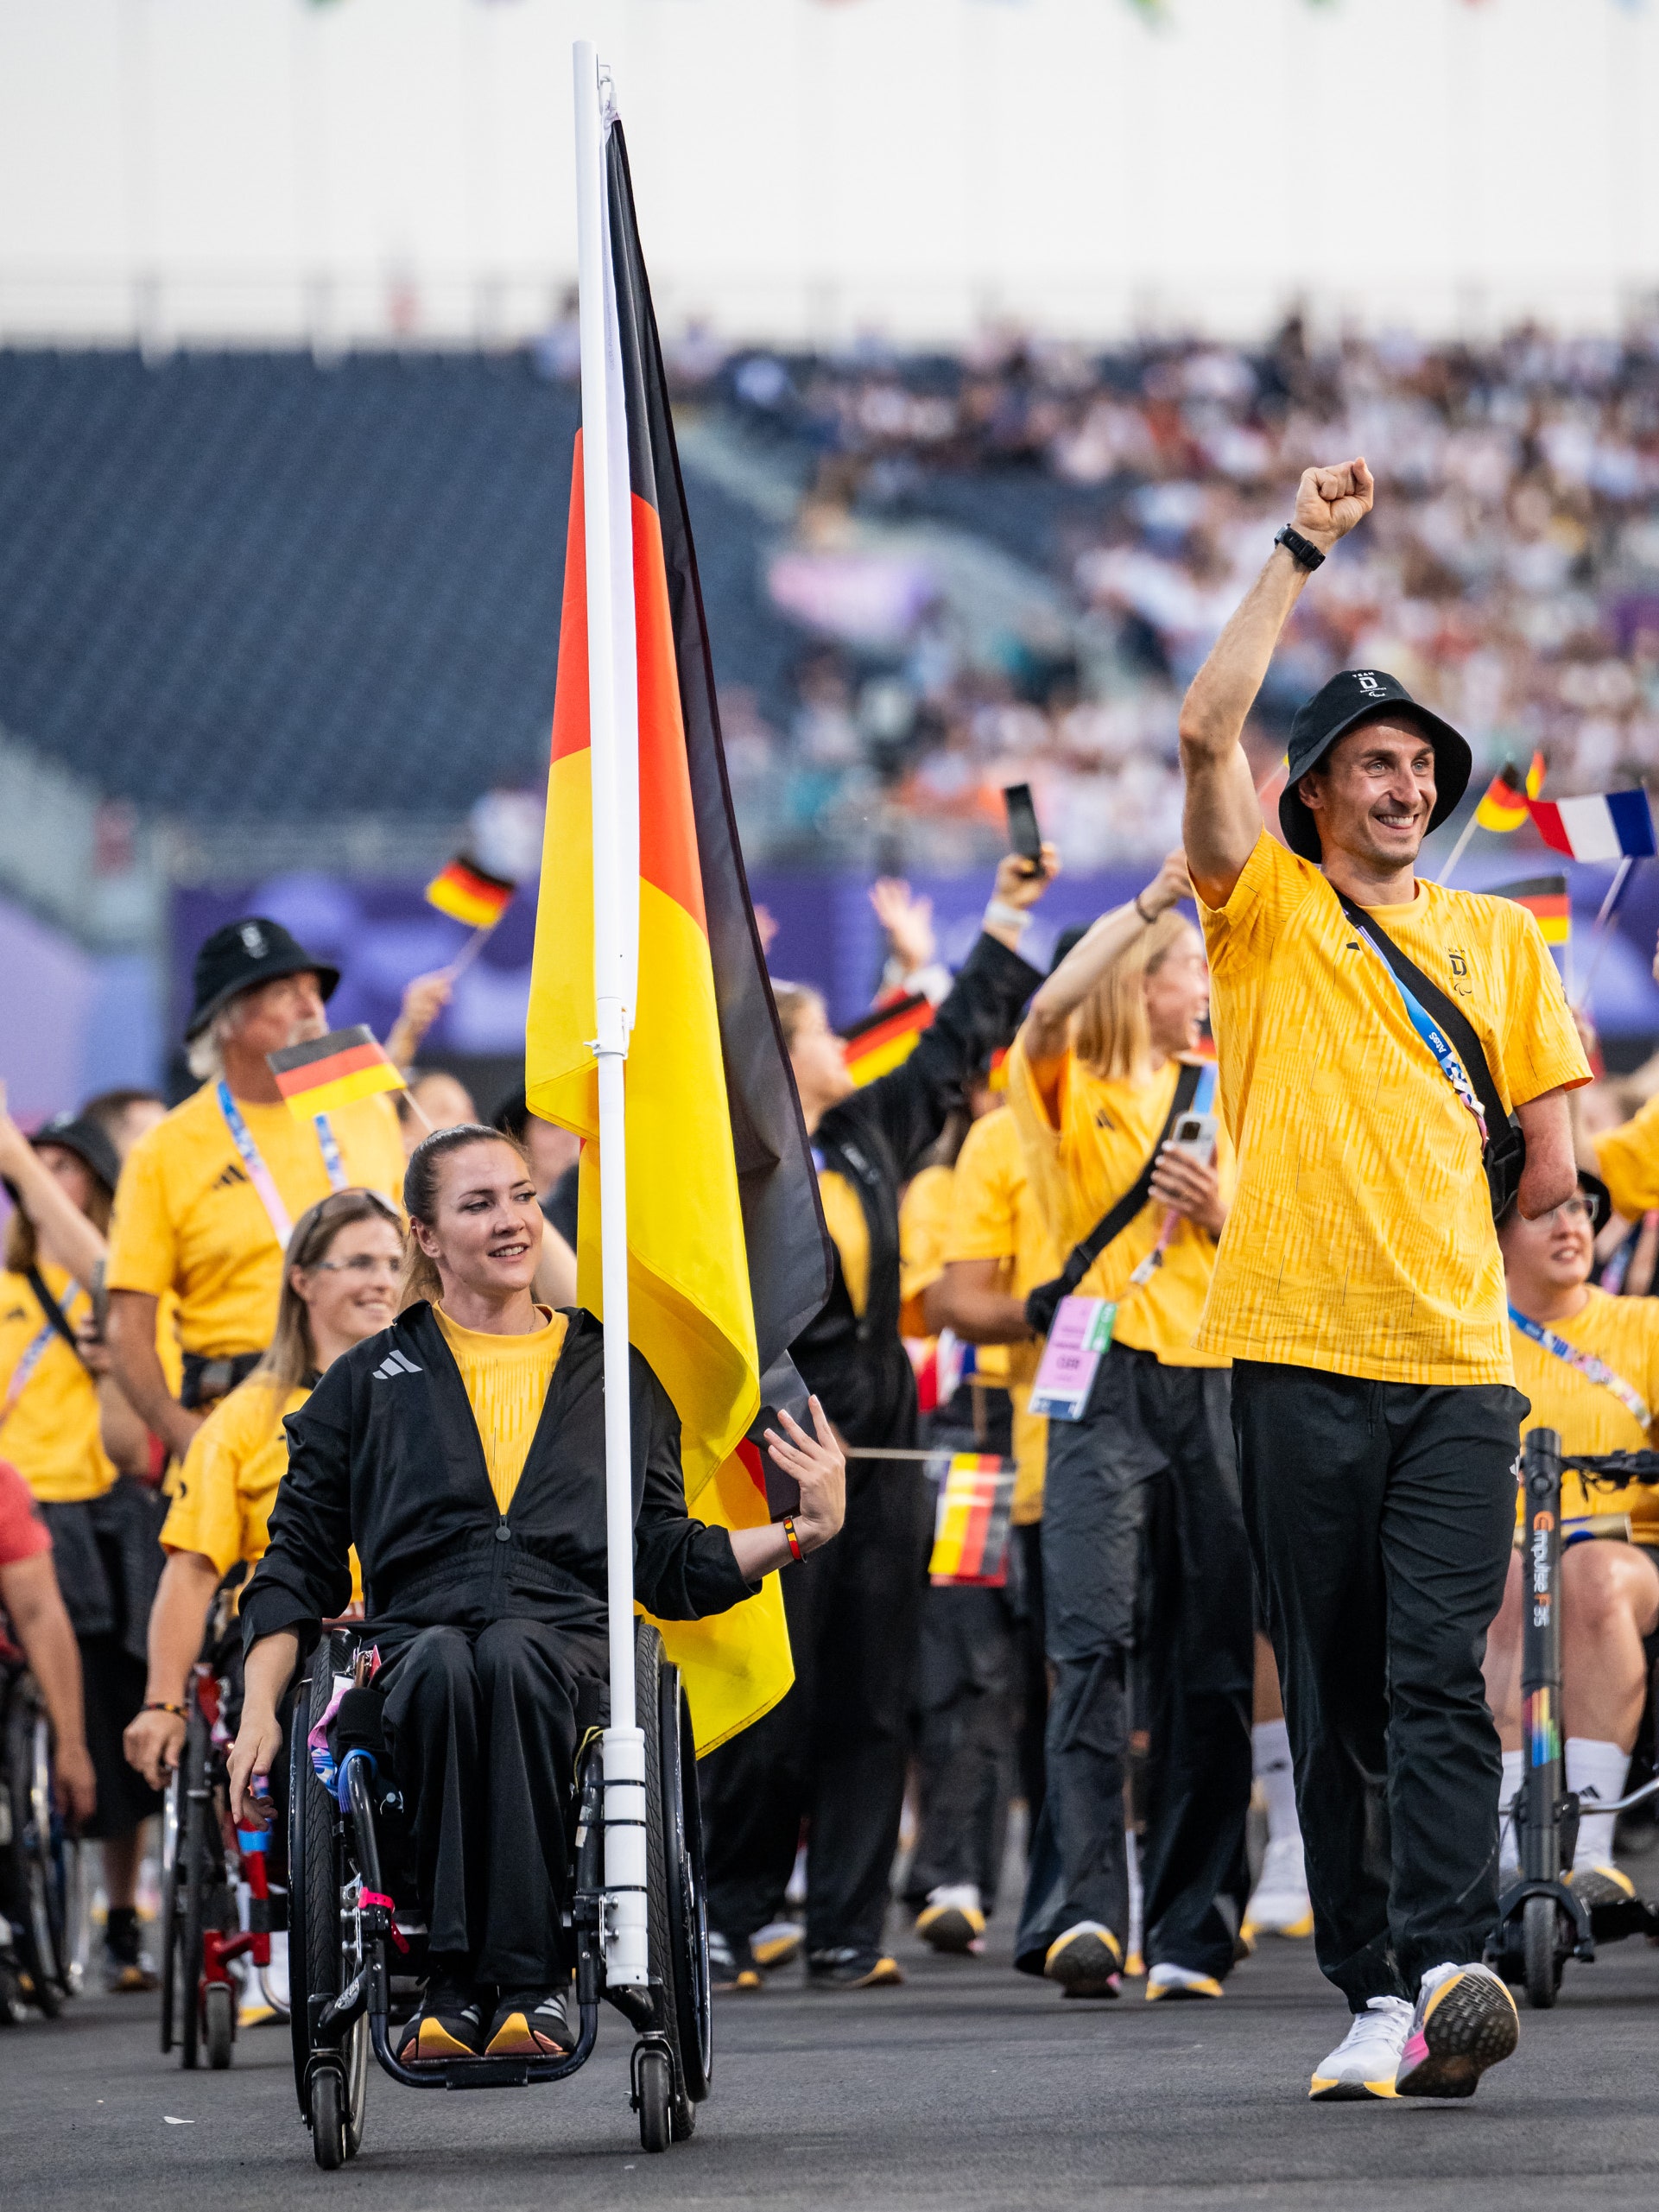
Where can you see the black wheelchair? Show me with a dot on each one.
(355, 1963)
(204, 1860)
(43, 1903)
(1541, 1920)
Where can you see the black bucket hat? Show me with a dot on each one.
(86, 1141)
(243, 955)
(1601, 1198)
(1364, 695)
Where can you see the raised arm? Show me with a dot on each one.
(1223, 818)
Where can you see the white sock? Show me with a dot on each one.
(1508, 1845)
(1270, 1747)
(1595, 1771)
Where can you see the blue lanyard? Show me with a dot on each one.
(1432, 1034)
(35, 1352)
(1203, 1097)
(261, 1177)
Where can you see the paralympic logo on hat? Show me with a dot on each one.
(1369, 683)
(253, 938)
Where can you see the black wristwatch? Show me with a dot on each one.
(1300, 548)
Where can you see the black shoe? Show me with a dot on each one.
(731, 1966)
(530, 2024)
(850, 1969)
(449, 2025)
(126, 1970)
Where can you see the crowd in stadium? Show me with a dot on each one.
(1105, 1230)
(1513, 580)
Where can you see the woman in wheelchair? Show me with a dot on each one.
(340, 1286)
(1590, 1365)
(462, 1450)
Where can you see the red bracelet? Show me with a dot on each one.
(795, 1541)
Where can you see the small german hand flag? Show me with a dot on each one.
(1545, 898)
(470, 893)
(882, 1041)
(970, 1523)
(1503, 805)
(333, 1071)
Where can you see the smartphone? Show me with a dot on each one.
(1194, 1133)
(1023, 835)
(100, 1301)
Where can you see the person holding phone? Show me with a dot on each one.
(1386, 1048)
(1121, 1151)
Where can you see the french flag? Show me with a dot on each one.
(1613, 825)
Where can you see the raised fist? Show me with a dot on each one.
(1330, 501)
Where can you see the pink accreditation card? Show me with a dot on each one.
(1081, 1332)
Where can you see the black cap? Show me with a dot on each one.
(1364, 695)
(86, 1141)
(243, 955)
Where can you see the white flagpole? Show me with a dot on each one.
(1457, 851)
(612, 729)
(1601, 931)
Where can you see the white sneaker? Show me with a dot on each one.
(1365, 2062)
(1279, 1903)
(777, 1944)
(1465, 2021)
(952, 1919)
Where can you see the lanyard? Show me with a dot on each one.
(1203, 1102)
(34, 1352)
(1587, 1364)
(1429, 1030)
(260, 1176)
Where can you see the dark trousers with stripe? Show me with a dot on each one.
(832, 1753)
(1381, 1516)
(1143, 1542)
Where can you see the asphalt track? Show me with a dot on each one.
(969, 2086)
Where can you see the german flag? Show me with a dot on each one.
(1545, 898)
(976, 1498)
(332, 1071)
(728, 1255)
(1504, 804)
(879, 1042)
(470, 893)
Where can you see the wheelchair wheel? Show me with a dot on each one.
(174, 1996)
(652, 2081)
(35, 1877)
(331, 2100)
(326, 2114)
(677, 1911)
(218, 2023)
(194, 1878)
(1541, 1951)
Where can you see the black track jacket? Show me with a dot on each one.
(385, 1455)
(856, 1363)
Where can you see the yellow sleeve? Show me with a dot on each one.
(923, 1218)
(205, 1515)
(982, 1220)
(1271, 885)
(844, 1217)
(1542, 1051)
(1628, 1157)
(143, 1251)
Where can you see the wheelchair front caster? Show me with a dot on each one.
(219, 2022)
(327, 2117)
(654, 2087)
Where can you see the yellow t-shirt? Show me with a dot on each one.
(994, 1215)
(844, 1217)
(226, 1488)
(187, 1217)
(50, 1433)
(923, 1213)
(1624, 1333)
(1361, 1238)
(1107, 1133)
(506, 1379)
(1628, 1157)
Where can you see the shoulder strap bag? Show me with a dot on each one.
(54, 1312)
(1042, 1303)
(1459, 1052)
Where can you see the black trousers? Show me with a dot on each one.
(1142, 1492)
(482, 1730)
(1380, 1517)
(966, 1713)
(833, 1752)
(1031, 1665)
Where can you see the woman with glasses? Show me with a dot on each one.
(339, 1285)
(1590, 1365)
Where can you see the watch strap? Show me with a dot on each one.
(1301, 549)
